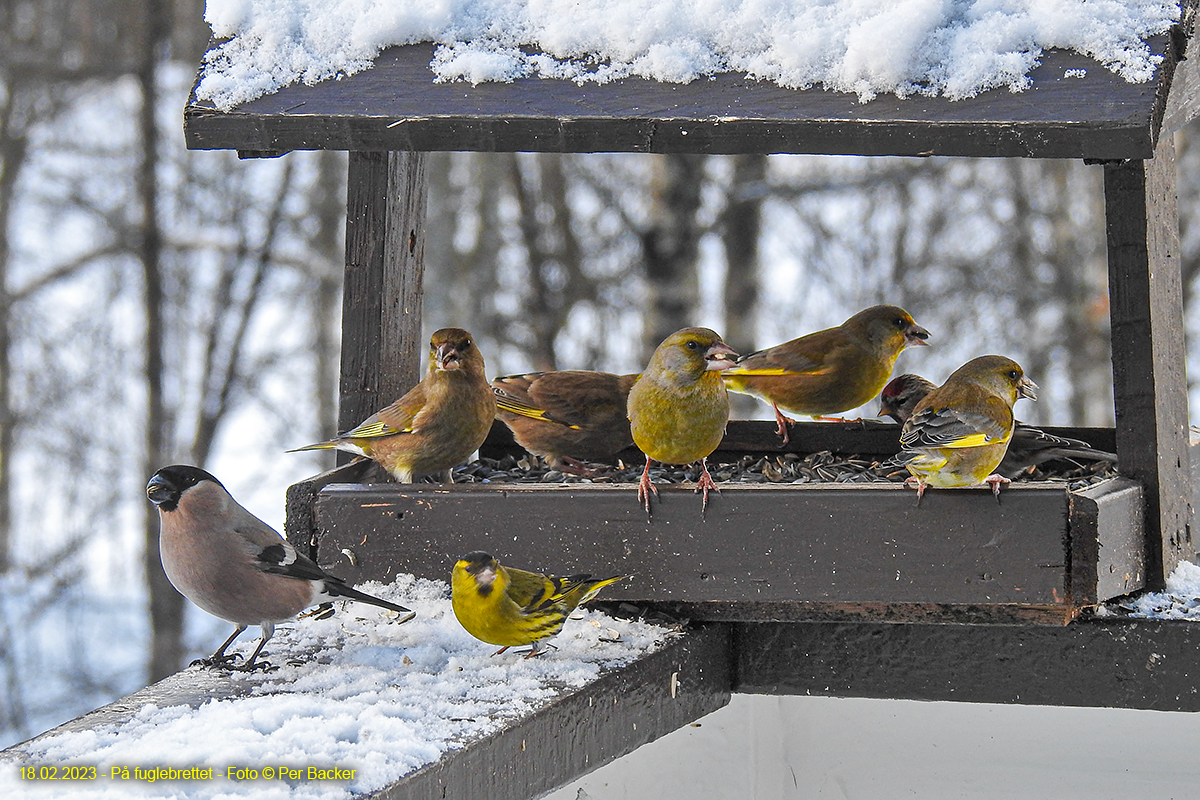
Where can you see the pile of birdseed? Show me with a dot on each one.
(820, 467)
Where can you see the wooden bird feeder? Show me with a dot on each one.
(803, 584)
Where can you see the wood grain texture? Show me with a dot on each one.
(762, 551)
(381, 301)
(396, 106)
(1149, 381)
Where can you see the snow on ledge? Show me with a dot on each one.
(867, 47)
(354, 692)
(1181, 600)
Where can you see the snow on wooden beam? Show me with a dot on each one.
(575, 732)
(583, 730)
(395, 105)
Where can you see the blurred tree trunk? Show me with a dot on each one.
(330, 252)
(12, 158)
(166, 604)
(740, 234)
(671, 247)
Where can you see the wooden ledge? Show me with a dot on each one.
(396, 105)
(573, 734)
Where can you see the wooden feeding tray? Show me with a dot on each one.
(767, 552)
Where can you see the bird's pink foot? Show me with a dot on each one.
(704, 484)
(996, 481)
(781, 425)
(913, 481)
(645, 487)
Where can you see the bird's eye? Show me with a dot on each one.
(467, 345)
(1014, 374)
(900, 323)
(692, 344)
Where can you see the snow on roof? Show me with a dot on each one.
(353, 691)
(868, 47)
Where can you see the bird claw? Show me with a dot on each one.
(704, 483)
(535, 650)
(996, 481)
(645, 487)
(781, 426)
(913, 480)
(222, 661)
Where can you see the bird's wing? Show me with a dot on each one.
(271, 553)
(528, 589)
(395, 419)
(515, 405)
(810, 355)
(949, 427)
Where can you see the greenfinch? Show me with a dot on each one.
(958, 433)
(829, 371)
(568, 416)
(678, 407)
(513, 607)
(1028, 448)
(437, 424)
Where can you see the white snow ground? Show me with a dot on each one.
(867, 47)
(352, 691)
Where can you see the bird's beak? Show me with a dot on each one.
(916, 335)
(447, 357)
(485, 576)
(159, 491)
(720, 356)
(1027, 388)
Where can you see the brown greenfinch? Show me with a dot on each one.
(958, 434)
(678, 407)
(513, 607)
(568, 416)
(1028, 447)
(437, 424)
(829, 371)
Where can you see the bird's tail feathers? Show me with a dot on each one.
(595, 587)
(337, 590)
(330, 445)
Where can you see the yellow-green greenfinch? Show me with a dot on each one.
(678, 407)
(828, 371)
(568, 416)
(1028, 447)
(437, 424)
(958, 434)
(512, 607)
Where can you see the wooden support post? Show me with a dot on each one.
(381, 304)
(381, 301)
(1150, 385)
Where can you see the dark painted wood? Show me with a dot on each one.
(1116, 664)
(867, 437)
(381, 301)
(1183, 104)
(757, 546)
(396, 106)
(1150, 385)
(1107, 546)
(300, 521)
(582, 730)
